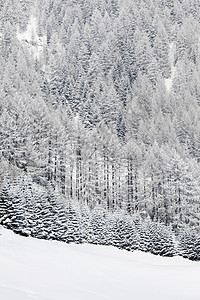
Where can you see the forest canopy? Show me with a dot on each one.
(100, 112)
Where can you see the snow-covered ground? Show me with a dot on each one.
(169, 81)
(32, 269)
(31, 40)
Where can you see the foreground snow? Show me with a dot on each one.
(40, 270)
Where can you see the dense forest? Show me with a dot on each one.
(100, 122)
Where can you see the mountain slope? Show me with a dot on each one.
(34, 269)
(100, 106)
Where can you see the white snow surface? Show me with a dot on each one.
(169, 81)
(32, 269)
(30, 38)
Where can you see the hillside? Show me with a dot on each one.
(99, 121)
(44, 270)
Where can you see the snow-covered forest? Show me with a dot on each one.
(100, 122)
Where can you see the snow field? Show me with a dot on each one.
(32, 269)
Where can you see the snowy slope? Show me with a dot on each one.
(40, 270)
(31, 40)
(169, 81)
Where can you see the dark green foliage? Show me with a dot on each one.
(189, 245)
(160, 239)
(97, 226)
(124, 233)
(44, 215)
